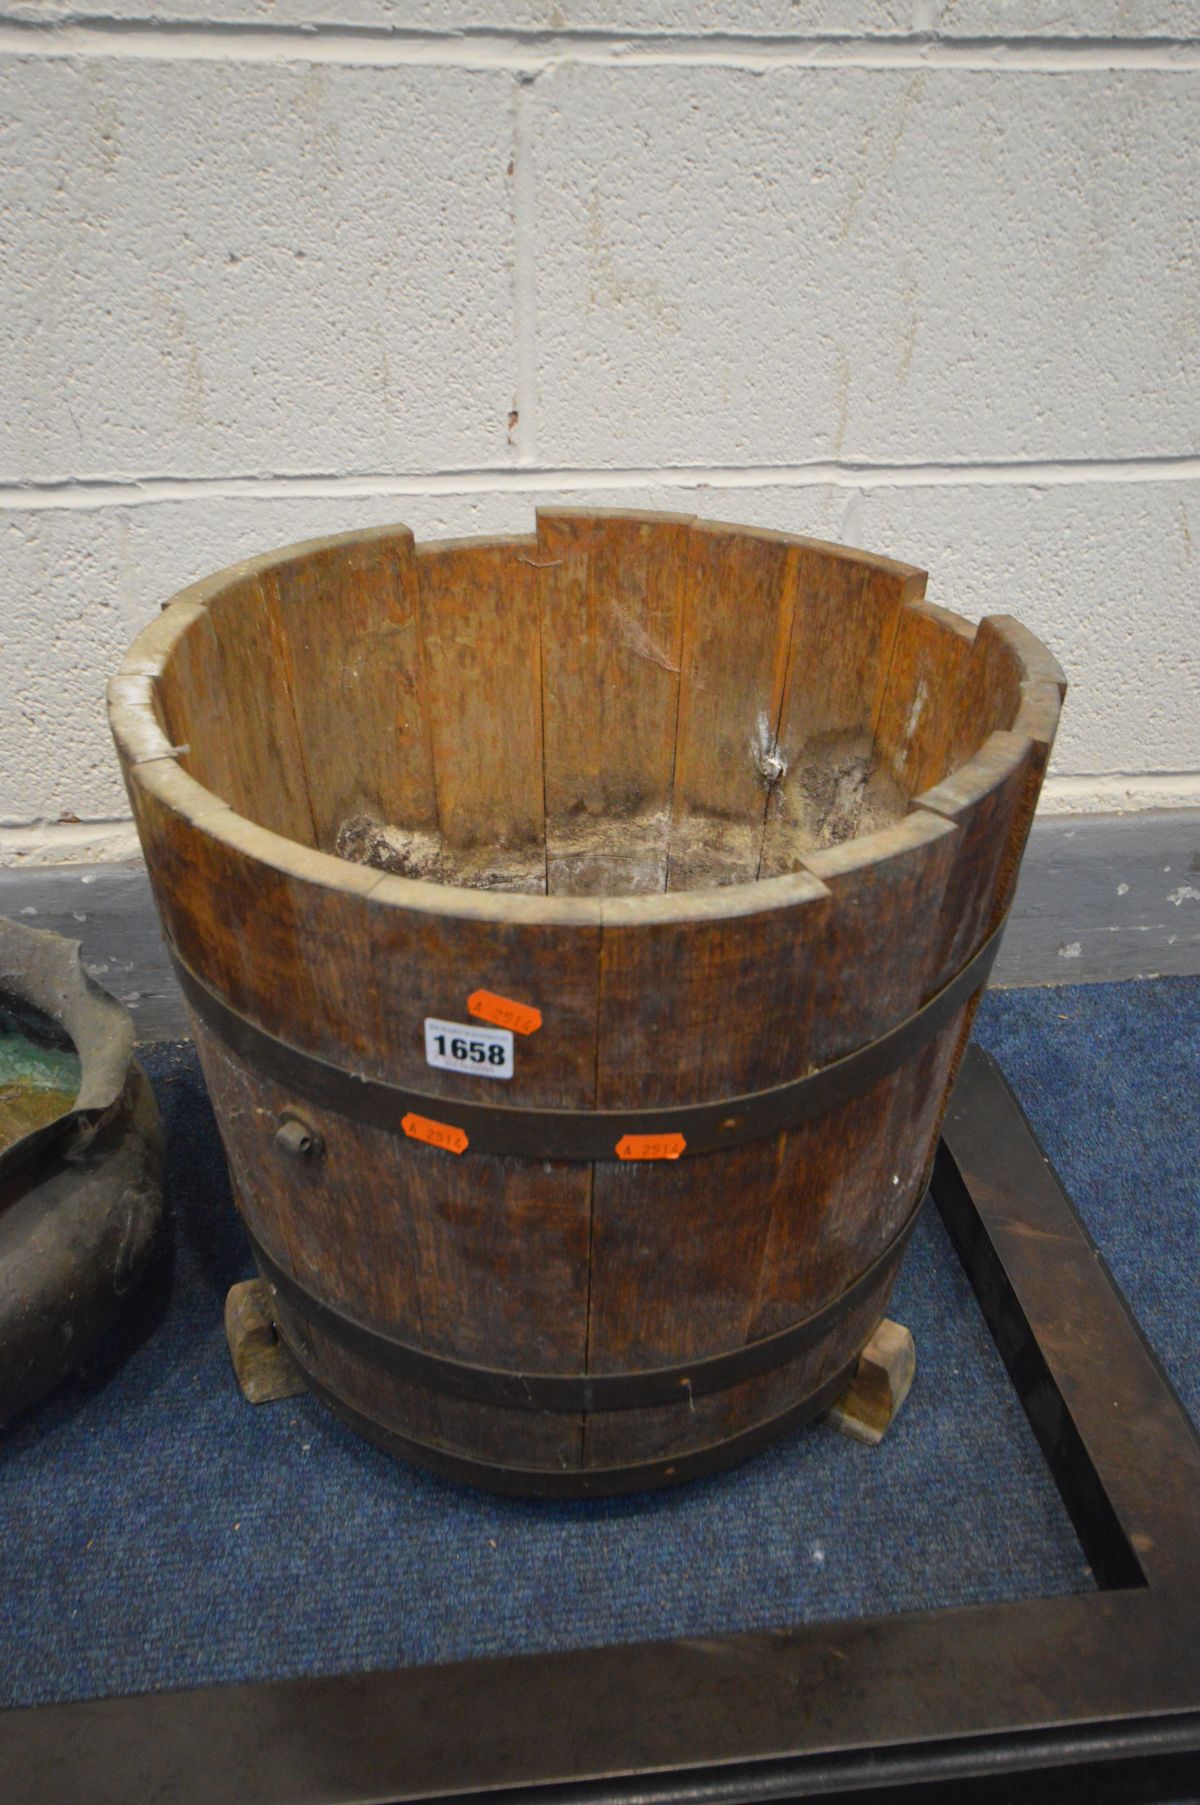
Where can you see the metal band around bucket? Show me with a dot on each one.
(572, 1392)
(583, 1482)
(585, 1134)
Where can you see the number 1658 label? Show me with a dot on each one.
(463, 1047)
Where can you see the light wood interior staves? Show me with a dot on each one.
(621, 704)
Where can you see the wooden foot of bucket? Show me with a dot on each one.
(879, 1387)
(264, 1368)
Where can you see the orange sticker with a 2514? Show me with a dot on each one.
(503, 1012)
(435, 1134)
(650, 1146)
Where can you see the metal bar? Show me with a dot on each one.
(1149, 1761)
(584, 1482)
(573, 1392)
(584, 1134)
(1109, 1552)
(1121, 1447)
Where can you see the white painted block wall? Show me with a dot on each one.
(919, 276)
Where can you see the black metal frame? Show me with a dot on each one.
(1092, 1697)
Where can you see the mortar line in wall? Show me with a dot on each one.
(101, 492)
(532, 49)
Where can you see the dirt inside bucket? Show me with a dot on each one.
(840, 792)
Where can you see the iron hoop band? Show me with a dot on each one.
(574, 1392)
(584, 1134)
(585, 1482)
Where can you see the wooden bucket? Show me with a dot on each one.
(579, 1133)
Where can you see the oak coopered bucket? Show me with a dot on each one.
(580, 933)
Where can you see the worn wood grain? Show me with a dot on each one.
(343, 1223)
(481, 628)
(434, 963)
(991, 798)
(264, 1369)
(716, 1008)
(190, 688)
(538, 1440)
(257, 917)
(612, 1437)
(351, 638)
(878, 1146)
(347, 964)
(736, 635)
(267, 776)
(708, 1002)
(916, 715)
(458, 1259)
(985, 799)
(1040, 704)
(886, 896)
(1005, 659)
(612, 600)
(675, 1247)
(847, 607)
(884, 932)
(882, 1381)
(1091, 906)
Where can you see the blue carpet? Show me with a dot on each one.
(155, 1531)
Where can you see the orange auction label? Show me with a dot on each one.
(650, 1146)
(437, 1134)
(486, 1006)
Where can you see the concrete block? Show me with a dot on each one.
(890, 264)
(1106, 573)
(64, 577)
(223, 268)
